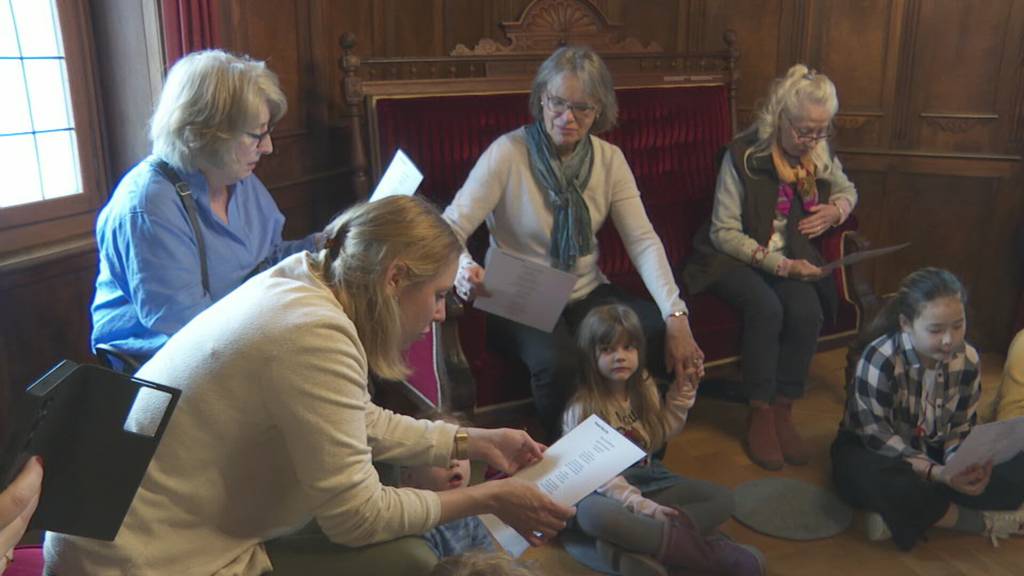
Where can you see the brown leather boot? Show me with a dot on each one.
(793, 448)
(762, 441)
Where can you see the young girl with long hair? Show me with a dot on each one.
(649, 518)
(912, 401)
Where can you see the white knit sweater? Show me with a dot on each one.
(274, 427)
(501, 190)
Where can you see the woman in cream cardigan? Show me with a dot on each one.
(275, 426)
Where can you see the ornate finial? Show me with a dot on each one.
(348, 41)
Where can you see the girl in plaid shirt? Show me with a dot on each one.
(912, 401)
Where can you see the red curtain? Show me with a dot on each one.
(189, 25)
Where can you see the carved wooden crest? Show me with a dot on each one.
(548, 24)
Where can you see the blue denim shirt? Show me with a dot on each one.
(149, 282)
(459, 536)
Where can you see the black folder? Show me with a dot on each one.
(94, 456)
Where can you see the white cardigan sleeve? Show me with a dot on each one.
(645, 248)
(482, 191)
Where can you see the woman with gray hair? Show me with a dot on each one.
(779, 187)
(275, 426)
(545, 190)
(191, 222)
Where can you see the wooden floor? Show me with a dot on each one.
(709, 448)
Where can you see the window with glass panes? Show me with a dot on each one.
(38, 148)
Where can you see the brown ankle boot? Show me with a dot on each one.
(762, 441)
(792, 445)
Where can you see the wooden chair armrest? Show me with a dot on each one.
(863, 295)
(458, 387)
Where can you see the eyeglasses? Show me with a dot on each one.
(259, 137)
(810, 134)
(558, 106)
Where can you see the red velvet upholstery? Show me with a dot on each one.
(670, 137)
(28, 561)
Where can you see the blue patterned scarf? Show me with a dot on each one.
(565, 181)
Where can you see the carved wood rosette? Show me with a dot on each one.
(548, 24)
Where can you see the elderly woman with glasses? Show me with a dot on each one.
(779, 187)
(545, 190)
(190, 223)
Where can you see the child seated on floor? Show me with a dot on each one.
(912, 402)
(648, 520)
(457, 536)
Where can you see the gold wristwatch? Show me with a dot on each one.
(461, 451)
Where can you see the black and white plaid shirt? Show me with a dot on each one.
(896, 415)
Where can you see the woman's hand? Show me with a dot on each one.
(803, 270)
(506, 449)
(469, 281)
(529, 511)
(823, 217)
(682, 355)
(973, 480)
(17, 503)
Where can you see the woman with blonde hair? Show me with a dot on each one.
(780, 187)
(191, 222)
(275, 426)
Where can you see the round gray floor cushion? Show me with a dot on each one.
(791, 509)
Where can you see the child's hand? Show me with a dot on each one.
(683, 392)
(973, 480)
(665, 514)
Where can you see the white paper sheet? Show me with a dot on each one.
(402, 178)
(995, 441)
(580, 462)
(524, 291)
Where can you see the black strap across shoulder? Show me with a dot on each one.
(189, 202)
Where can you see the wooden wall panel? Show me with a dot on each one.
(465, 20)
(45, 311)
(869, 29)
(959, 214)
(759, 29)
(412, 27)
(657, 19)
(958, 75)
(270, 30)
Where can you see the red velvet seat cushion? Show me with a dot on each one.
(28, 561)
